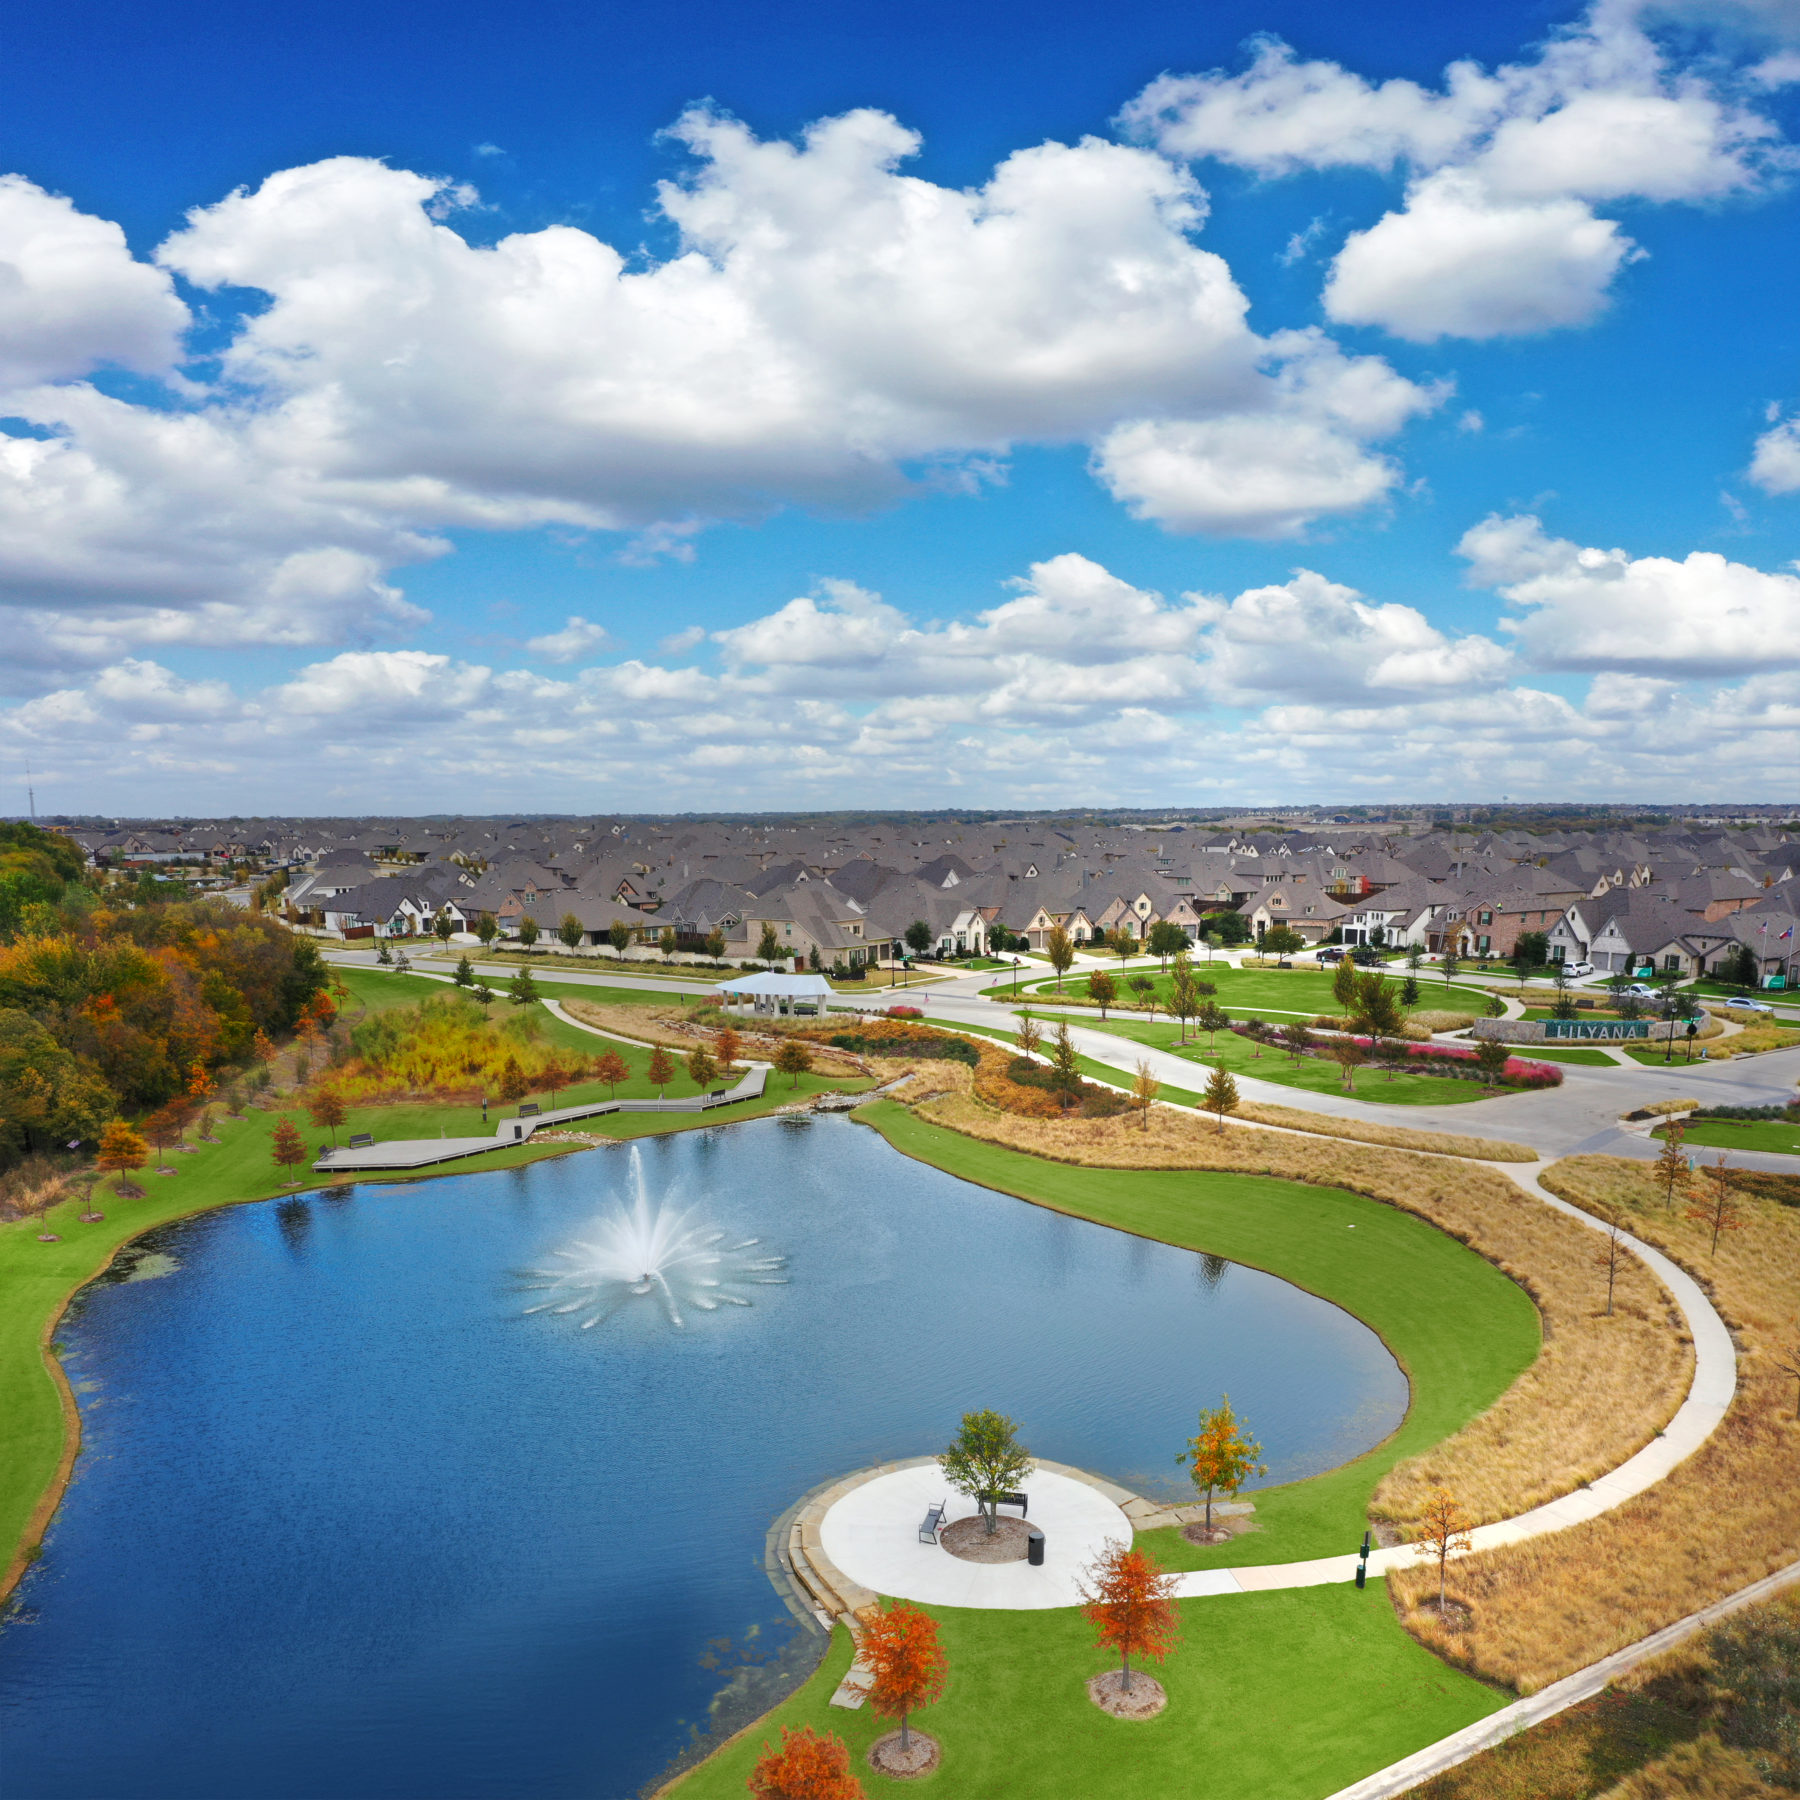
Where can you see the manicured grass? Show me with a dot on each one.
(1094, 1071)
(39, 1278)
(1653, 1059)
(1283, 1696)
(1777, 1136)
(1301, 993)
(1587, 1059)
(1310, 1073)
(1461, 1330)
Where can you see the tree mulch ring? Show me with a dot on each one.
(921, 1756)
(969, 1539)
(1197, 1533)
(1455, 1616)
(1145, 1698)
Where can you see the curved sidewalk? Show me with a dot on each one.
(872, 1544)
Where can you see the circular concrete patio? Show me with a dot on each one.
(872, 1534)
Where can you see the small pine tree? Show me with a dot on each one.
(465, 972)
(522, 990)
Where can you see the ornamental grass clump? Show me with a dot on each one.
(444, 1048)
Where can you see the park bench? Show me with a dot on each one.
(1017, 1500)
(362, 1140)
(529, 1110)
(933, 1519)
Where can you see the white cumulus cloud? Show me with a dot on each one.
(1605, 610)
(578, 637)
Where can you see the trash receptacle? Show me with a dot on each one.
(1034, 1548)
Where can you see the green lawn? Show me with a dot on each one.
(39, 1278)
(1283, 1696)
(1302, 993)
(1310, 1073)
(1588, 1059)
(1778, 1136)
(1293, 1693)
(1459, 1328)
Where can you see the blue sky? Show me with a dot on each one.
(1056, 406)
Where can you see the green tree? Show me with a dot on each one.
(618, 934)
(1374, 1007)
(443, 924)
(1490, 1058)
(1060, 948)
(918, 937)
(1221, 1093)
(794, 1058)
(487, 928)
(665, 941)
(768, 946)
(1409, 991)
(985, 1461)
(1065, 1067)
(1531, 950)
(715, 944)
(1343, 984)
(1102, 990)
(1212, 1018)
(570, 931)
(1166, 939)
(522, 990)
(700, 1067)
(1283, 940)
(1184, 994)
(1221, 1456)
(465, 972)
(1231, 927)
(1450, 963)
(47, 1094)
(1144, 986)
(1122, 941)
(528, 931)
(1415, 958)
(1296, 1039)
(1349, 1056)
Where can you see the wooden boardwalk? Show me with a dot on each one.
(419, 1153)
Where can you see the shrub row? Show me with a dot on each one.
(1457, 1063)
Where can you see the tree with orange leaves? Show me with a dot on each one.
(1443, 1532)
(326, 1105)
(121, 1151)
(200, 1085)
(727, 1046)
(611, 1068)
(1129, 1599)
(321, 1009)
(260, 1046)
(806, 1767)
(661, 1071)
(166, 1123)
(287, 1146)
(906, 1663)
(1222, 1454)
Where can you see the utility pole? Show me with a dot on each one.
(30, 792)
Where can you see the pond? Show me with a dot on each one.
(352, 1519)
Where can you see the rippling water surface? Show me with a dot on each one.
(351, 1522)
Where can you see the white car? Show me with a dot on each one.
(1638, 991)
(1761, 1006)
(1580, 968)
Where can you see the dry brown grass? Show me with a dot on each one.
(1658, 1108)
(676, 1027)
(1753, 1040)
(1599, 1391)
(1726, 1517)
(1652, 1735)
(1432, 1143)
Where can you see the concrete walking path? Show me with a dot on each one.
(1401, 1777)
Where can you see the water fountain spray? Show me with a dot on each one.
(651, 1249)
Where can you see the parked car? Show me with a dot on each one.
(1572, 970)
(1331, 956)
